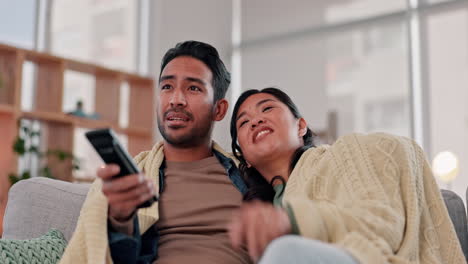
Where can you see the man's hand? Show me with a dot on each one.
(256, 224)
(124, 194)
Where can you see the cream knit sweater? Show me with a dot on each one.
(89, 243)
(375, 196)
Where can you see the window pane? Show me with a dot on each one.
(17, 22)
(261, 18)
(89, 159)
(98, 31)
(361, 75)
(79, 87)
(447, 35)
(436, 1)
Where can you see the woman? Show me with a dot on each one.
(365, 199)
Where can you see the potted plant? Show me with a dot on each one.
(21, 148)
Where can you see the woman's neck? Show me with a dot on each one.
(278, 166)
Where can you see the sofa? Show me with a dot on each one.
(39, 204)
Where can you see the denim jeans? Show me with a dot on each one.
(297, 250)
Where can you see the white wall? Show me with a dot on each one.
(209, 21)
(329, 72)
(292, 67)
(448, 67)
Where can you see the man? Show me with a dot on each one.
(198, 184)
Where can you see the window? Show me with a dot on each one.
(360, 75)
(17, 22)
(100, 31)
(447, 40)
(262, 18)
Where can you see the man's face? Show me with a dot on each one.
(185, 102)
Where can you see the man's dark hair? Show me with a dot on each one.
(206, 54)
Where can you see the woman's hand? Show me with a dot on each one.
(256, 224)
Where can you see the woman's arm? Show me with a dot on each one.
(361, 205)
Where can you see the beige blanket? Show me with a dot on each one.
(375, 196)
(89, 243)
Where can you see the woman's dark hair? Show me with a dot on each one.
(209, 56)
(258, 187)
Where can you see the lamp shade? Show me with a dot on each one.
(445, 166)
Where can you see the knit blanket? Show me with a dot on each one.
(374, 196)
(89, 243)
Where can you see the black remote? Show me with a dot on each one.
(108, 147)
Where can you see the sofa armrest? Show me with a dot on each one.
(39, 204)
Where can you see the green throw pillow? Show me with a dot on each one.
(46, 249)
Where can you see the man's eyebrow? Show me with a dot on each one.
(197, 80)
(166, 77)
(257, 105)
(190, 79)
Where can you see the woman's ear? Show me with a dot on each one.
(220, 109)
(302, 127)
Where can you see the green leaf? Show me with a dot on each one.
(33, 149)
(26, 175)
(13, 178)
(61, 155)
(46, 172)
(25, 129)
(19, 146)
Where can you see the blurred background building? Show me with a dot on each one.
(351, 65)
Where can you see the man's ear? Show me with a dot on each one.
(220, 109)
(302, 127)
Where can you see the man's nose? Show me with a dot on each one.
(178, 99)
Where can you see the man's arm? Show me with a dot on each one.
(124, 194)
(127, 245)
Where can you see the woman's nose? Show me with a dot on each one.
(257, 121)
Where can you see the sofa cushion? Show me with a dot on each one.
(456, 210)
(39, 204)
(45, 249)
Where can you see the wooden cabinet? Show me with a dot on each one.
(58, 128)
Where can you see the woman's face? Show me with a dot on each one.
(266, 128)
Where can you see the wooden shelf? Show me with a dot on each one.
(6, 109)
(58, 130)
(38, 57)
(135, 131)
(80, 122)
(91, 123)
(47, 117)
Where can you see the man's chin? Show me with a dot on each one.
(176, 127)
(181, 142)
(177, 137)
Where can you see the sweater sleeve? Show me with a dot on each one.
(359, 208)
